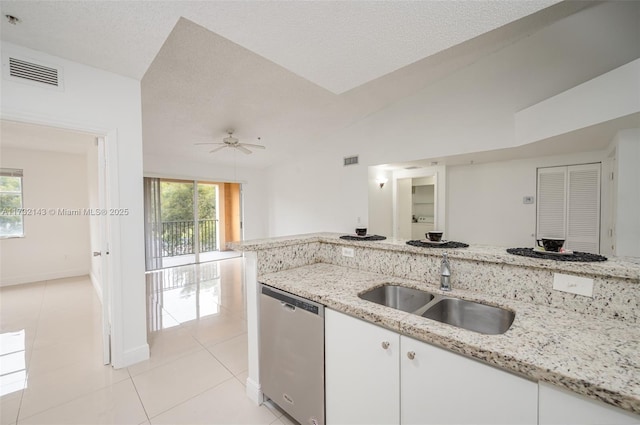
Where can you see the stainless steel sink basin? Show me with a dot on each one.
(464, 314)
(398, 297)
(470, 315)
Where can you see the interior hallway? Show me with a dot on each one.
(51, 368)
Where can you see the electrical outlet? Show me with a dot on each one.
(573, 284)
(347, 252)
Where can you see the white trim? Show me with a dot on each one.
(254, 391)
(252, 290)
(135, 355)
(39, 277)
(96, 286)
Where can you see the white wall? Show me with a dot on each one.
(103, 103)
(253, 186)
(609, 96)
(317, 193)
(54, 245)
(628, 193)
(484, 202)
(468, 111)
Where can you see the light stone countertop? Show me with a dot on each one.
(599, 358)
(616, 267)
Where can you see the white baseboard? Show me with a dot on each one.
(254, 391)
(135, 355)
(39, 277)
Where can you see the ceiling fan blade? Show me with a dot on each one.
(218, 148)
(209, 143)
(243, 149)
(253, 146)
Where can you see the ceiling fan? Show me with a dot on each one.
(233, 142)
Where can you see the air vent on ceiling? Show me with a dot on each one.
(350, 160)
(29, 71)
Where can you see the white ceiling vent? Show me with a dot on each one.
(351, 160)
(32, 72)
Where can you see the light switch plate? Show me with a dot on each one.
(347, 252)
(573, 284)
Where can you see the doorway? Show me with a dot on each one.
(190, 221)
(63, 177)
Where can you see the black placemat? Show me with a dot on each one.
(363, 238)
(577, 256)
(449, 244)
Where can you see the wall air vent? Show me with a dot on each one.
(412, 167)
(351, 160)
(32, 72)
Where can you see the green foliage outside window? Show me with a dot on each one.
(176, 211)
(11, 218)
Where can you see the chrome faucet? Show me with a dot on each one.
(445, 273)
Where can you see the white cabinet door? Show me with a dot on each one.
(441, 387)
(561, 407)
(361, 375)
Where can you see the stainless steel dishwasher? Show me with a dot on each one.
(292, 354)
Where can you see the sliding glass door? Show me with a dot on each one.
(189, 221)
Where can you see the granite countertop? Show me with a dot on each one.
(618, 267)
(599, 358)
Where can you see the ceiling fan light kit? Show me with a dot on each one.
(233, 142)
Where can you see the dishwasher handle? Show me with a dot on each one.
(292, 302)
(288, 306)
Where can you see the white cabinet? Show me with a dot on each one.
(362, 377)
(561, 407)
(367, 383)
(441, 387)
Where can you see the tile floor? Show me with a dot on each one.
(51, 368)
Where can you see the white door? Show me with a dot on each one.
(440, 387)
(362, 374)
(103, 273)
(569, 206)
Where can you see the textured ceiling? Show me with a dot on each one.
(290, 72)
(337, 45)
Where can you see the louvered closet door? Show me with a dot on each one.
(569, 206)
(551, 207)
(583, 208)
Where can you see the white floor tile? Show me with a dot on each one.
(116, 404)
(225, 404)
(47, 389)
(9, 405)
(242, 377)
(67, 383)
(168, 385)
(232, 353)
(216, 329)
(165, 346)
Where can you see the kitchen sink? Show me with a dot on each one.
(398, 297)
(470, 315)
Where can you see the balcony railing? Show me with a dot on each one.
(178, 237)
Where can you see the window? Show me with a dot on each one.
(569, 206)
(11, 211)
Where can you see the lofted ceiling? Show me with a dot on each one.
(290, 72)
